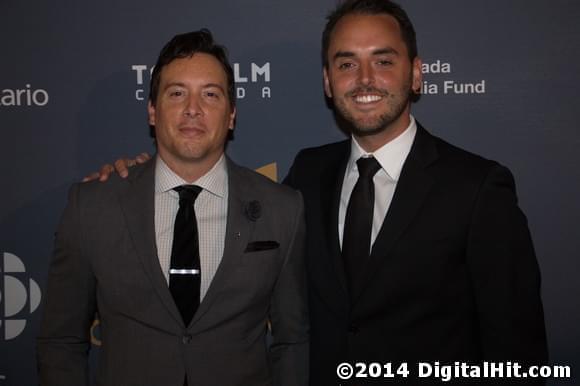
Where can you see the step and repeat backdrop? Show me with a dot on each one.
(501, 79)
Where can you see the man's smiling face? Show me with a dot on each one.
(369, 74)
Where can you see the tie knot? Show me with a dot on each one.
(367, 166)
(188, 193)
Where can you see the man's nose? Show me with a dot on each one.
(366, 74)
(192, 107)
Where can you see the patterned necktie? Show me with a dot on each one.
(358, 223)
(185, 268)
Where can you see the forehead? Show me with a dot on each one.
(200, 67)
(360, 32)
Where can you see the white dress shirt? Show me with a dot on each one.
(211, 208)
(391, 156)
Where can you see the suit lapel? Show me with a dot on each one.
(331, 186)
(138, 206)
(412, 189)
(239, 229)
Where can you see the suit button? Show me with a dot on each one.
(353, 328)
(186, 339)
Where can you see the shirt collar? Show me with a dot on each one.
(391, 156)
(214, 181)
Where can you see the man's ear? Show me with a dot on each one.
(151, 113)
(232, 119)
(417, 75)
(327, 89)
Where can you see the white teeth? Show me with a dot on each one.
(367, 98)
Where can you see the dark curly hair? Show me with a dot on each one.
(184, 46)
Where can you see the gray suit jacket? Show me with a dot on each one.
(105, 261)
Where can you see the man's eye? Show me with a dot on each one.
(176, 93)
(212, 94)
(345, 66)
(384, 62)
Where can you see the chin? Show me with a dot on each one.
(194, 156)
(367, 131)
(368, 126)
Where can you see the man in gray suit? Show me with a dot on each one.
(168, 318)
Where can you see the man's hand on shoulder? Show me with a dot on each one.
(121, 166)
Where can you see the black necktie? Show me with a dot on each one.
(358, 223)
(185, 268)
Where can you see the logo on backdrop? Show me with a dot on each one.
(252, 80)
(19, 296)
(27, 96)
(447, 86)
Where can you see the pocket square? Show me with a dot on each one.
(261, 246)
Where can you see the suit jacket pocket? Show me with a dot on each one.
(256, 246)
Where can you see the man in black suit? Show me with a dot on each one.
(431, 259)
(450, 273)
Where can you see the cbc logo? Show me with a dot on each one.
(19, 297)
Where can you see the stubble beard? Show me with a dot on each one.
(373, 125)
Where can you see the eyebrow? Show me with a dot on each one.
(380, 51)
(174, 84)
(207, 85)
(214, 85)
(386, 51)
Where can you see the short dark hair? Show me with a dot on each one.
(370, 7)
(184, 46)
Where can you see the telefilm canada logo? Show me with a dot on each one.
(26, 96)
(252, 80)
(19, 296)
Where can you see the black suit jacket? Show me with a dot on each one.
(452, 274)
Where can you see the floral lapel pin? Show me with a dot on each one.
(253, 210)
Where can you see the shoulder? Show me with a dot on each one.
(458, 166)
(323, 154)
(458, 160)
(276, 203)
(259, 185)
(311, 163)
(97, 191)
